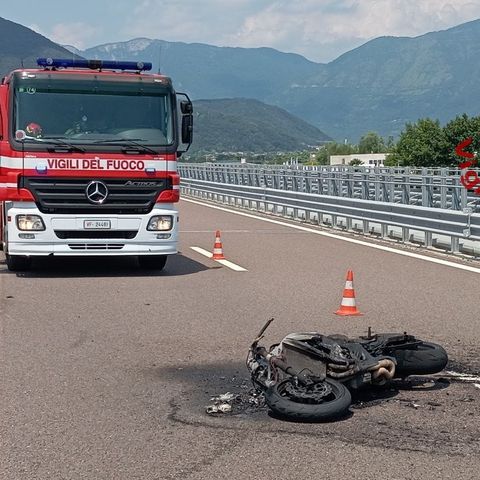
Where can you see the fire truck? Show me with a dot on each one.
(88, 161)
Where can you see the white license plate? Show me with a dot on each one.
(96, 224)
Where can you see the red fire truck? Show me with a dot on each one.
(88, 161)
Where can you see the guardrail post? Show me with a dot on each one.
(384, 230)
(428, 241)
(350, 183)
(455, 245)
(365, 227)
(365, 189)
(307, 182)
(406, 190)
(405, 236)
(443, 188)
(463, 198)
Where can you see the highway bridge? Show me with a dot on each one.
(106, 369)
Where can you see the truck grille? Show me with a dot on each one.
(96, 246)
(68, 195)
(125, 234)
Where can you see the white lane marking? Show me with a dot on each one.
(228, 264)
(345, 239)
(213, 231)
(463, 377)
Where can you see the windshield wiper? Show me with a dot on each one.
(60, 142)
(131, 141)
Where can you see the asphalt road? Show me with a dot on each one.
(105, 370)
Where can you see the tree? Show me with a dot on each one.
(371, 142)
(421, 144)
(390, 145)
(456, 131)
(355, 162)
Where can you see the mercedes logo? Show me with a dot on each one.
(96, 192)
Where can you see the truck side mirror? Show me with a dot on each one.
(187, 128)
(186, 107)
(185, 122)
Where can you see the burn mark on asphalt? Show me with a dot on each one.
(421, 414)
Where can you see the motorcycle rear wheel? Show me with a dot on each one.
(327, 400)
(423, 359)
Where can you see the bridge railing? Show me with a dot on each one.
(425, 187)
(426, 206)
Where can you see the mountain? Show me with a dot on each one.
(389, 81)
(20, 44)
(206, 71)
(232, 125)
(378, 86)
(221, 125)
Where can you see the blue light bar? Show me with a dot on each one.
(93, 64)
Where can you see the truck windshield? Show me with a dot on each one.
(93, 112)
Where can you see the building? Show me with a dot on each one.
(366, 159)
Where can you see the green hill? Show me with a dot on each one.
(232, 125)
(389, 81)
(20, 45)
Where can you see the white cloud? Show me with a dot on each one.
(318, 29)
(190, 20)
(78, 34)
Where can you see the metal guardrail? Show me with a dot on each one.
(426, 187)
(296, 198)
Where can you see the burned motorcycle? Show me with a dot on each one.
(309, 376)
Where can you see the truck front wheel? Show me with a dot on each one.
(152, 262)
(17, 263)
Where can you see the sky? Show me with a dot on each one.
(320, 30)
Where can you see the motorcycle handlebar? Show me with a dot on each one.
(262, 331)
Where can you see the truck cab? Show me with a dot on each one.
(88, 161)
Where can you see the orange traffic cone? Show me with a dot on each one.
(217, 247)
(347, 306)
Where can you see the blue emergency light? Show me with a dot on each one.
(93, 64)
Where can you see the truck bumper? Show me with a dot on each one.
(66, 235)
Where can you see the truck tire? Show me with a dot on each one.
(152, 262)
(288, 405)
(17, 263)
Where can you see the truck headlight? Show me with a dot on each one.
(160, 222)
(30, 222)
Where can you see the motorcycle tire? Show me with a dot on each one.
(332, 403)
(423, 359)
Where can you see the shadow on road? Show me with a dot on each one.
(71, 267)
